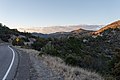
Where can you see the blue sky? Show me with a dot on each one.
(35, 13)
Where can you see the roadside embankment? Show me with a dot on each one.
(45, 67)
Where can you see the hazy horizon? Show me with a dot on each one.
(54, 29)
(45, 13)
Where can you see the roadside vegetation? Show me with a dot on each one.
(95, 54)
(4, 33)
(58, 67)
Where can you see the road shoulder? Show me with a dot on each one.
(23, 69)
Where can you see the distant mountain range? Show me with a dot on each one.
(54, 29)
(77, 33)
(80, 32)
(65, 31)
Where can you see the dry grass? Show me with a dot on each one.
(69, 72)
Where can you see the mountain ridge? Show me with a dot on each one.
(113, 25)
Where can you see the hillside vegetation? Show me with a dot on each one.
(5, 32)
(10, 35)
(97, 52)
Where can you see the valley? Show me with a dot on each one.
(94, 51)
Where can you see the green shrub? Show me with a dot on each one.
(49, 49)
(25, 39)
(71, 60)
(39, 43)
(37, 46)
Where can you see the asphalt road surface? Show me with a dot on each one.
(8, 62)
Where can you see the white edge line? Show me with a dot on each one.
(6, 74)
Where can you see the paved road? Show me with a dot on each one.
(8, 62)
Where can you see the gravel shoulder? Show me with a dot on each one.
(32, 68)
(23, 69)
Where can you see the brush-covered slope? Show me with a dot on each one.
(113, 25)
(93, 52)
(80, 33)
(5, 32)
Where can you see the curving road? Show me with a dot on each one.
(8, 62)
